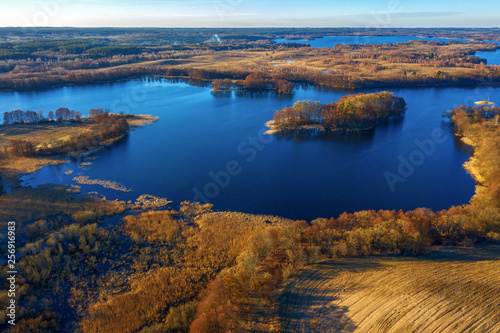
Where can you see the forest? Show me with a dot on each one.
(352, 112)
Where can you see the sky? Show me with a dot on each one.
(251, 13)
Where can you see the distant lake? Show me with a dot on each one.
(331, 41)
(200, 136)
(492, 58)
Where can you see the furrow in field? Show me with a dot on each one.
(427, 294)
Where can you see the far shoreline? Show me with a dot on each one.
(366, 85)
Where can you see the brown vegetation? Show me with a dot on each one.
(202, 246)
(104, 183)
(146, 302)
(153, 226)
(27, 205)
(58, 244)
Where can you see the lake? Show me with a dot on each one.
(331, 41)
(207, 147)
(492, 58)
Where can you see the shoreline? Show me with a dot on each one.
(471, 167)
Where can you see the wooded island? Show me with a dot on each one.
(350, 113)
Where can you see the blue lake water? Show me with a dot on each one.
(201, 138)
(331, 41)
(492, 58)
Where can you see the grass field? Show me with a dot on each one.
(55, 130)
(449, 290)
(47, 133)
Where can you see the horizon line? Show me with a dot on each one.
(239, 27)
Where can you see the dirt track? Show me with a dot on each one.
(450, 290)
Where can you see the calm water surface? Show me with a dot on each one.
(331, 41)
(199, 134)
(492, 58)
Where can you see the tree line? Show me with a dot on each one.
(105, 126)
(358, 111)
(53, 49)
(256, 81)
(32, 117)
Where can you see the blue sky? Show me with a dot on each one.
(251, 13)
